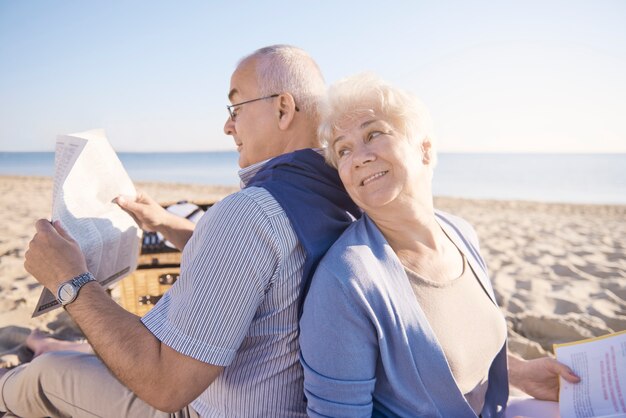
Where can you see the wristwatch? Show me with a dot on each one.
(69, 290)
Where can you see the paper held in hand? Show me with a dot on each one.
(87, 177)
(601, 365)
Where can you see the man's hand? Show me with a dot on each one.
(151, 217)
(148, 214)
(53, 256)
(539, 378)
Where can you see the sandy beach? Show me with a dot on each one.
(559, 270)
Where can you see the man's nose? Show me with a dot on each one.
(229, 126)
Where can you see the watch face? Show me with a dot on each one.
(67, 293)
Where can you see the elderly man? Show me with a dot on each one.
(223, 340)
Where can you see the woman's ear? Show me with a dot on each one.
(286, 110)
(426, 148)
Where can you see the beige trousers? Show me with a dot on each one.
(71, 384)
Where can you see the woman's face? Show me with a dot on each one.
(376, 164)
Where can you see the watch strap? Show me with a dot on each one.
(82, 279)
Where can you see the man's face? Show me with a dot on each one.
(255, 127)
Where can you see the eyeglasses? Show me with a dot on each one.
(233, 112)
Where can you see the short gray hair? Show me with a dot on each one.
(289, 69)
(367, 92)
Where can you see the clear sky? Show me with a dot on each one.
(523, 76)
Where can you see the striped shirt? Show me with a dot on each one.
(236, 305)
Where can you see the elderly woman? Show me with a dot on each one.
(400, 318)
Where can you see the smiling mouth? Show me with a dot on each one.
(373, 177)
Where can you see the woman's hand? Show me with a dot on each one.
(539, 378)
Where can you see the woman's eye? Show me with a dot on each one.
(342, 152)
(373, 135)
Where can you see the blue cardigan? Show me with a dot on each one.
(367, 347)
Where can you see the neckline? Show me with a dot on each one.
(412, 275)
(439, 283)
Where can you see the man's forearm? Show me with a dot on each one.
(177, 230)
(121, 340)
(158, 374)
(118, 337)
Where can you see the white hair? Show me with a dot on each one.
(366, 92)
(288, 69)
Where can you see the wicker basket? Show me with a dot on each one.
(140, 291)
(158, 268)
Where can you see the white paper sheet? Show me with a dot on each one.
(88, 176)
(601, 365)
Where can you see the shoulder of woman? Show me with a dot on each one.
(363, 231)
(356, 245)
(357, 258)
(462, 227)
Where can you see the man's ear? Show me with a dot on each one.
(286, 110)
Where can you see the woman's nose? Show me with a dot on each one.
(362, 155)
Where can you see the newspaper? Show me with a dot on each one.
(601, 365)
(87, 177)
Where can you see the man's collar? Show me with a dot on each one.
(246, 174)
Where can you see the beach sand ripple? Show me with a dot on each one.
(559, 270)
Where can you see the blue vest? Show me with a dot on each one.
(316, 203)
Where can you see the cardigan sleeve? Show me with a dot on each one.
(339, 348)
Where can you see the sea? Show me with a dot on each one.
(567, 178)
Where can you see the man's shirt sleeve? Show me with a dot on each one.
(227, 266)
